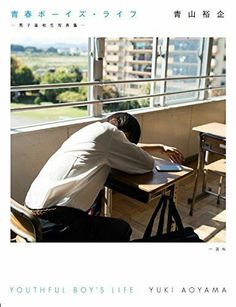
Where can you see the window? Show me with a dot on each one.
(179, 67)
(47, 63)
(184, 59)
(218, 66)
(131, 52)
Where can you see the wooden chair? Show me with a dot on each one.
(25, 227)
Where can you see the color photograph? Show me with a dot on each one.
(114, 119)
(109, 112)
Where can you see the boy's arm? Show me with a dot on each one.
(171, 152)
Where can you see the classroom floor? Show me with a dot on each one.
(208, 220)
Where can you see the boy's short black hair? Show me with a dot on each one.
(128, 124)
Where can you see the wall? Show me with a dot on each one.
(171, 126)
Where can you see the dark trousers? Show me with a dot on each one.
(63, 224)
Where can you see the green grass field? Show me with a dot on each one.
(44, 115)
(36, 61)
(46, 61)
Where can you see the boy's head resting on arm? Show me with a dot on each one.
(126, 123)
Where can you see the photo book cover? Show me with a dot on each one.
(115, 185)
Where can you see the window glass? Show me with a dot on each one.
(184, 59)
(127, 59)
(53, 61)
(218, 66)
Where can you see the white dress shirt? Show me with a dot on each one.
(75, 174)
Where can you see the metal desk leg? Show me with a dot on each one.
(107, 202)
(205, 159)
(193, 200)
(174, 193)
(200, 166)
(173, 196)
(219, 190)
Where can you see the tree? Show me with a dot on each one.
(111, 91)
(15, 64)
(60, 75)
(78, 73)
(69, 96)
(24, 76)
(32, 49)
(17, 48)
(20, 73)
(51, 50)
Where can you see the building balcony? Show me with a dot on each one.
(131, 49)
(113, 48)
(112, 68)
(140, 61)
(112, 58)
(140, 73)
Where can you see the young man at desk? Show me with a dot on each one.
(67, 186)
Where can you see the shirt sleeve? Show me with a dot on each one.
(128, 157)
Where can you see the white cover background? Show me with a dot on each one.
(107, 265)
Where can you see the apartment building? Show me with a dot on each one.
(128, 58)
(132, 58)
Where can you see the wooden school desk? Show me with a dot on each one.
(145, 187)
(212, 138)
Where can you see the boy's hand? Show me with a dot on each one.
(173, 154)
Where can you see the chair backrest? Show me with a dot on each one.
(24, 224)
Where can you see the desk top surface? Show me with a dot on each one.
(153, 181)
(217, 129)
